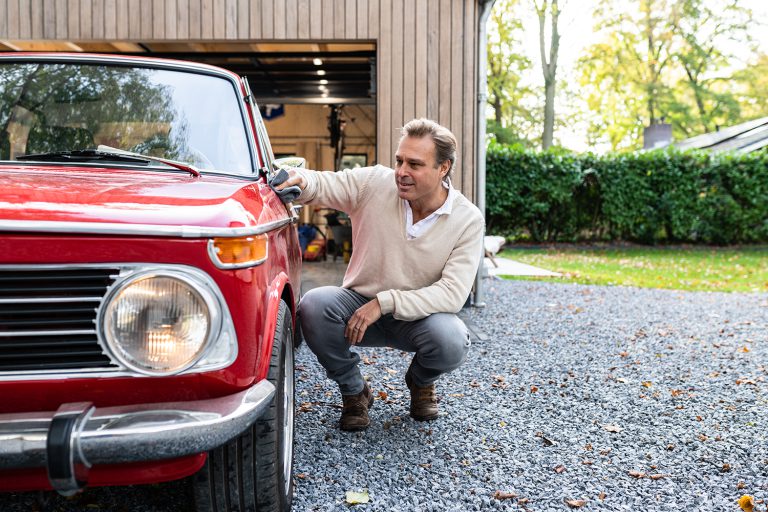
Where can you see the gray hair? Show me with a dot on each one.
(445, 141)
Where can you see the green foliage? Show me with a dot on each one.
(662, 196)
(664, 61)
(515, 116)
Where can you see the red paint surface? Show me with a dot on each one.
(21, 480)
(70, 194)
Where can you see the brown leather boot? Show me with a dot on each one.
(423, 400)
(354, 412)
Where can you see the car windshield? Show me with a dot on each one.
(193, 118)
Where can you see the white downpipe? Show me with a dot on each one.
(482, 98)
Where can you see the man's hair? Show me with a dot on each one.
(445, 141)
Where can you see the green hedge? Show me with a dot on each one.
(662, 196)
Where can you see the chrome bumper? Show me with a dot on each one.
(70, 440)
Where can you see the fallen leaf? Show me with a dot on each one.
(637, 474)
(676, 392)
(623, 354)
(356, 498)
(474, 384)
(657, 476)
(726, 468)
(703, 437)
(647, 384)
(456, 395)
(602, 495)
(741, 485)
(523, 501)
(426, 465)
(534, 389)
(612, 428)
(559, 469)
(587, 462)
(744, 349)
(302, 476)
(575, 503)
(670, 447)
(383, 395)
(545, 440)
(502, 495)
(747, 503)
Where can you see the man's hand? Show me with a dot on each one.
(360, 320)
(287, 184)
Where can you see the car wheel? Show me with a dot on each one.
(253, 471)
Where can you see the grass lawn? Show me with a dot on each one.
(698, 269)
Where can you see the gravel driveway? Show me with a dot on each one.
(627, 399)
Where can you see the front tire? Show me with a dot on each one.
(253, 472)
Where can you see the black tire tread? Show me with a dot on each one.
(243, 475)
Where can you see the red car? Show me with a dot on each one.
(148, 282)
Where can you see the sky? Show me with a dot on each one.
(576, 34)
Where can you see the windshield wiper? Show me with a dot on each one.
(82, 155)
(107, 153)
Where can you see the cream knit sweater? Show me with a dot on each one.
(411, 278)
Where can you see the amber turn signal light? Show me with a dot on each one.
(238, 252)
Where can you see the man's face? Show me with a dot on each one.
(417, 174)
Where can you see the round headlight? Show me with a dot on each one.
(158, 324)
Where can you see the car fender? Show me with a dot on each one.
(275, 292)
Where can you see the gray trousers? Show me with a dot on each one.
(440, 341)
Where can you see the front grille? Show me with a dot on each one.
(48, 318)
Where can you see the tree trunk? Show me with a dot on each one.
(497, 109)
(549, 67)
(549, 114)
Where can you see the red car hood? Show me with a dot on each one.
(71, 194)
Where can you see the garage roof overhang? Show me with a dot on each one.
(314, 73)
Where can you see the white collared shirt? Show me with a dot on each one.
(416, 230)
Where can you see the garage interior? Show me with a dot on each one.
(318, 100)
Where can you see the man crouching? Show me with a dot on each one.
(417, 246)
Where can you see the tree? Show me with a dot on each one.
(704, 32)
(753, 88)
(662, 60)
(548, 67)
(513, 116)
(624, 73)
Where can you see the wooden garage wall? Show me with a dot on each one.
(426, 49)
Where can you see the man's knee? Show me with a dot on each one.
(450, 339)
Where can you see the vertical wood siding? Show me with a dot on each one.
(426, 49)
